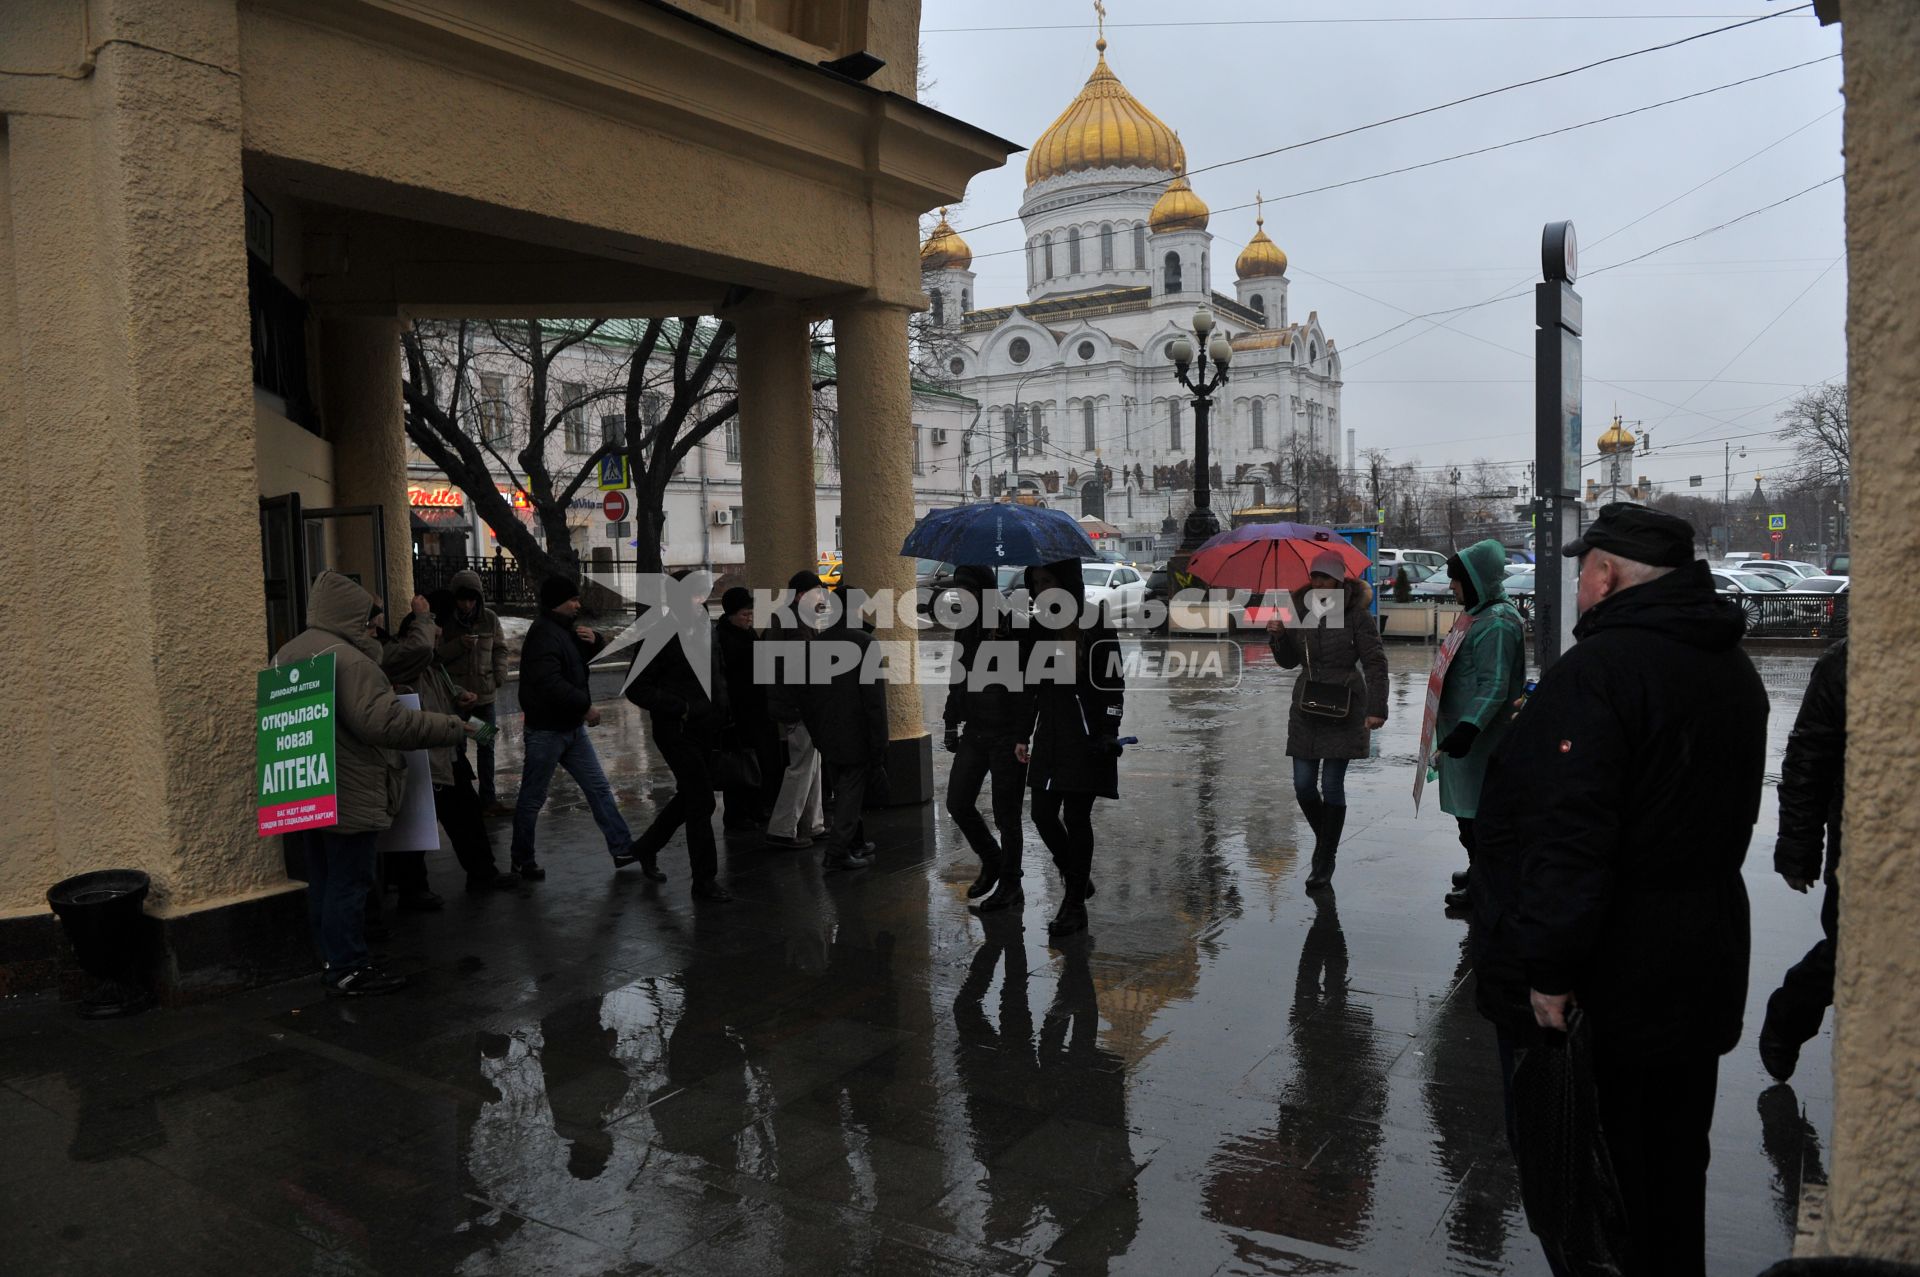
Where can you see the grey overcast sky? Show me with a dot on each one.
(1702, 342)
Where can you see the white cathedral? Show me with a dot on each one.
(1079, 406)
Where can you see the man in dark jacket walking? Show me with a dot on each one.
(988, 698)
(1812, 786)
(688, 723)
(558, 704)
(1610, 835)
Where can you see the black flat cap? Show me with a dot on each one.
(1635, 532)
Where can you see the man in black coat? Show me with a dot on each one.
(558, 704)
(1612, 825)
(990, 701)
(689, 720)
(1812, 787)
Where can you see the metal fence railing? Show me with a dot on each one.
(502, 583)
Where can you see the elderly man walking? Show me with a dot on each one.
(1606, 876)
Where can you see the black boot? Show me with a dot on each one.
(1006, 893)
(983, 883)
(1326, 847)
(1313, 809)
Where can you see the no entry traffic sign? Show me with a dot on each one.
(615, 505)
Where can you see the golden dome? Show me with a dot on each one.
(1178, 209)
(944, 249)
(1617, 438)
(1105, 127)
(1261, 258)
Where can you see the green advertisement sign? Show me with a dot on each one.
(295, 765)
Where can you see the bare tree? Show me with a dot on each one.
(1815, 424)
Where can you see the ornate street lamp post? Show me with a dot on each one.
(1190, 369)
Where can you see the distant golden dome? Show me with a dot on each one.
(1105, 127)
(1617, 438)
(944, 249)
(1179, 209)
(1261, 258)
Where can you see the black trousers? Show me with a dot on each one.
(458, 808)
(1795, 1009)
(1656, 1109)
(1466, 836)
(845, 832)
(984, 754)
(691, 805)
(1065, 824)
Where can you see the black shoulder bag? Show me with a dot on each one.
(1321, 699)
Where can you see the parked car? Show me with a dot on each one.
(1395, 557)
(1160, 583)
(828, 570)
(931, 579)
(1776, 565)
(1785, 576)
(1121, 589)
(1823, 585)
(1840, 565)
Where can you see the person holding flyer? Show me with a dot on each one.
(370, 730)
(1480, 677)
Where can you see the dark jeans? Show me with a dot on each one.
(983, 754)
(1656, 1110)
(339, 876)
(849, 795)
(1065, 824)
(573, 751)
(691, 805)
(458, 809)
(485, 713)
(1325, 778)
(1795, 1009)
(405, 871)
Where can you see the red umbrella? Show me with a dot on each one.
(1264, 557)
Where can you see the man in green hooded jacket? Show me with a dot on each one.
(1488, 674)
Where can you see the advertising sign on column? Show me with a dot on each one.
(294, 754)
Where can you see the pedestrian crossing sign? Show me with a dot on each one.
(613, 472)
(1776, 523)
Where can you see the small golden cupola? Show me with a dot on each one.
(1178, 209)
(1261, 258)
(944, 249)
(1617, 438)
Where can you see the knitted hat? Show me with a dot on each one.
(556, 590)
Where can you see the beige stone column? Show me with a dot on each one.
(876, 505)
(775, 365)
(1873, 1206)
(359, 377)
(131, 602)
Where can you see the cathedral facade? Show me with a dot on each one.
(1079, 407)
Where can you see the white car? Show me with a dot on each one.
(1393, 558)
(1794, 566)
(1118, 587)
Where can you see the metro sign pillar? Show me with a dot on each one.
(1556, 417)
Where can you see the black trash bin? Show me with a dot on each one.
(101, 912)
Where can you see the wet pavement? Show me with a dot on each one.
(850, 1073)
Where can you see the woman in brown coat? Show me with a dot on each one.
(1334, 650)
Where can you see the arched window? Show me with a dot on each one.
(1313, 353)
(1037, 434)
(1073, 251)
(1139, 246)
(966, 300)
(1259, 493)
(1093, 499)
(1086, 421)
(1259, 305)
(1173, 273)
(939, 307)
(1173, 424)
(1046, 252)
(1033, 261)
(1259, 423)
(1013, 431)
(1106, 246)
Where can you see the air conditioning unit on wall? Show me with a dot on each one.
(939, 435)
(722, 517)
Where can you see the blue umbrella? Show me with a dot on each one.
(998, 533)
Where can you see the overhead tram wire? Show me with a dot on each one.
(1521, 141)
(1416, 114)
(1309, 22)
